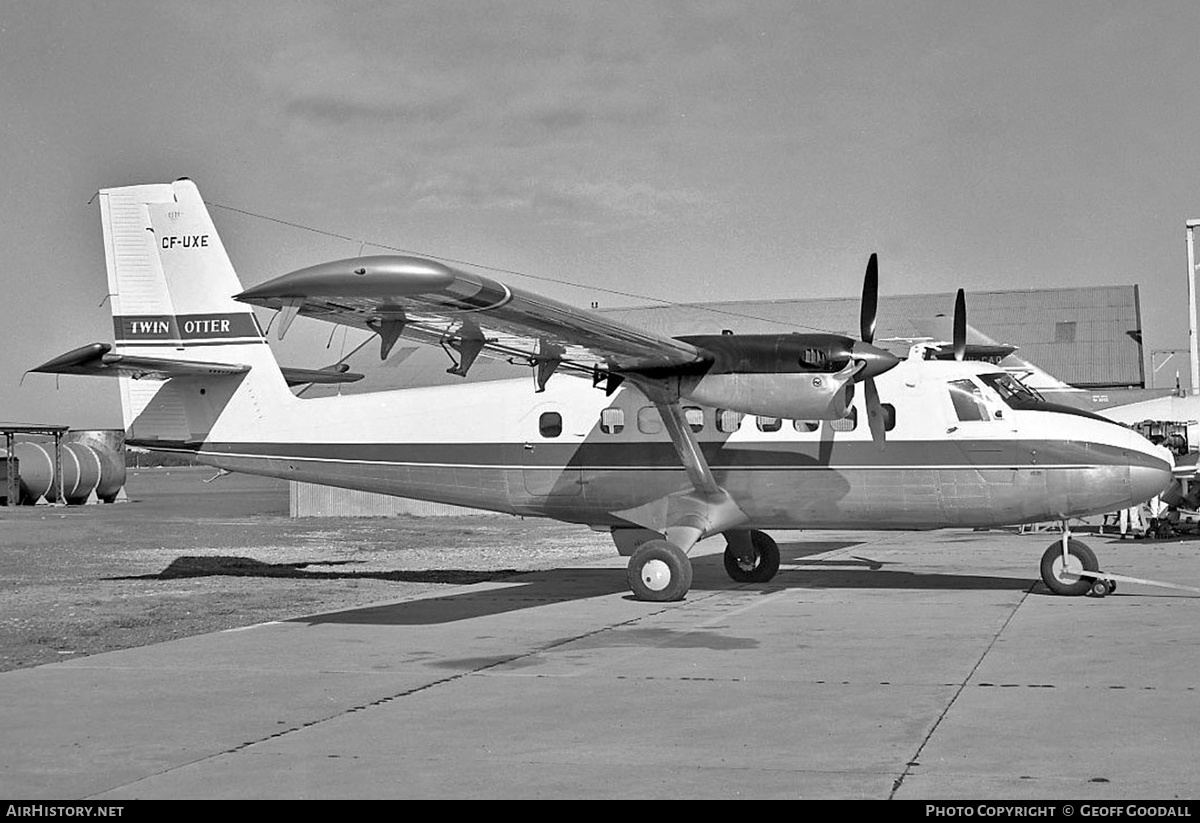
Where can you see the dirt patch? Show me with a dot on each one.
(185, 557)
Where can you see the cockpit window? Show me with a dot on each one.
(968, 400)
(1012, 391)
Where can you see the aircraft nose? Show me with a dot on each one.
(1151, 476)
(877, 360)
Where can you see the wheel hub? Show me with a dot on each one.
(656, 575)
(1067, 572)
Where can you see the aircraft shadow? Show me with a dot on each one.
(531, 589)
(227, 566)
(565, 585)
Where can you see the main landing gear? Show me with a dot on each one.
(752, 560)
(660, 572)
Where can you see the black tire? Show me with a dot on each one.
(766, 561)
(659, 572)
(1062, 581)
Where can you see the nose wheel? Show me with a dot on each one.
(1061, 572)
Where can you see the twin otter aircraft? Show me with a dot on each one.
(662, 441)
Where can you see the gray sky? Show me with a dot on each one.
(683, 151)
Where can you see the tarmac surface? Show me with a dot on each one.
(876, 665)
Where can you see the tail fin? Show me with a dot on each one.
(171, 286)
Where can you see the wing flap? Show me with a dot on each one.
(430, 302)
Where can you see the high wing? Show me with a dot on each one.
(795, 376)
(468, 314)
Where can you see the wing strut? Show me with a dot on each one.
(685, 518)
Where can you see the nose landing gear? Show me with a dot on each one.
(1062, 565)
(1070, 568)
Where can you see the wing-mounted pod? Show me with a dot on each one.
(795, 376)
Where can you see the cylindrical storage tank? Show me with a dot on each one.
(37, 470)
(16, 464)
(109, 446)
(80, 473)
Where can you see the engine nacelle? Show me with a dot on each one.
(795, 396)
(792, 376)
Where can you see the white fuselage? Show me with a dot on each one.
(574, 454)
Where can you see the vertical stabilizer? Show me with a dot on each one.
(171, 288)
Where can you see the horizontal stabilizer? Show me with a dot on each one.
(991, 353)
(98, 360)
(330, 374)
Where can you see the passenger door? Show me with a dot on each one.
(548, 456)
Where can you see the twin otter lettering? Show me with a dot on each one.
(187, 241)
(190, 327)
(205, 326)
(149, 327)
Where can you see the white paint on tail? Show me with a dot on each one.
(171, 286)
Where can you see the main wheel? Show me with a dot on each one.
(659, 572)
(762, 568)
(1064, 578)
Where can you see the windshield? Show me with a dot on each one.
(1012, 391)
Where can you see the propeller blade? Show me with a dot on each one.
(960, 326)
(876, 419)
(870, 297)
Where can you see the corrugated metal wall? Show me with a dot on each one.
(312, 500)
(1086, 337)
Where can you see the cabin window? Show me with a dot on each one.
(968, 401)
(845, 424)
(612, 420)
(694, 415)
(889, 416)
(550, 424)
(769, 424)
(806, 426)
(1012, 391)
(649, 421)
(729, 420)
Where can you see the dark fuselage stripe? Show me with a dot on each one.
(655, 455)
